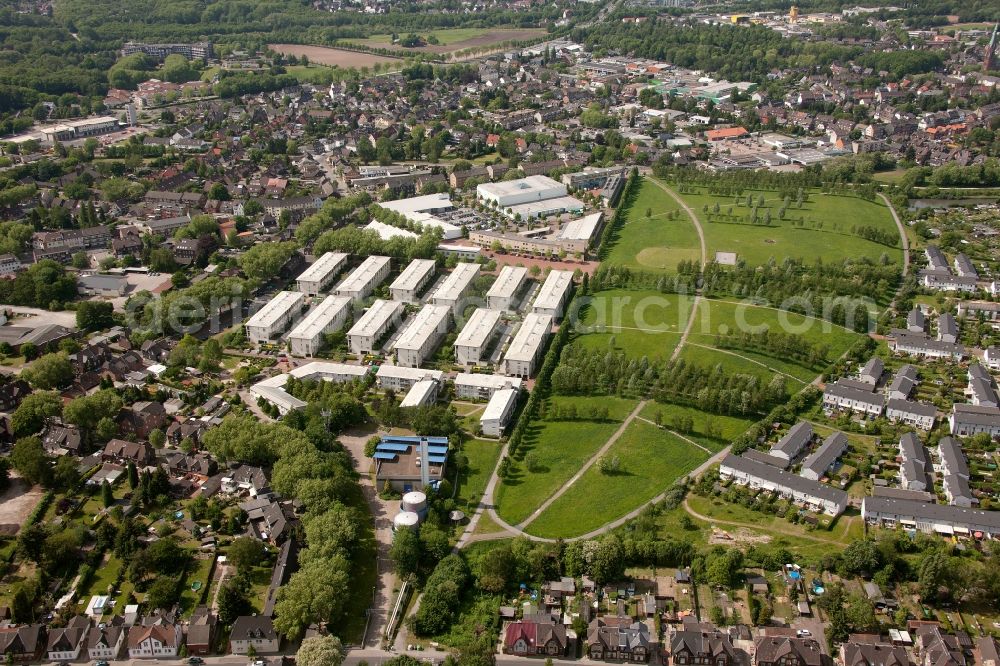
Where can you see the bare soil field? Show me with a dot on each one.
(15, 505)
(324, 55)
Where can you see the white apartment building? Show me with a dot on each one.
(503, 293)
(363, 279)
(399, 378)
(476, 336)
(330, 315)
(526, 349)
(413, 278)
(552, 296)
(455, 286)
(479, 386)
(422, 336)
(422, 393)
(320, 275)
(373, 325)
(498, 412)
(271, 320)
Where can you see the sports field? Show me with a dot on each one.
(638, 322)
(649, 461)
(656, 241)
(827, 230)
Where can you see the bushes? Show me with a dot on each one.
(442, 597)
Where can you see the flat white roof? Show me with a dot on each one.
(455, 284)
(532, 333)
(313, 324)
(387, 231)
(546, 206)
(275, 309)
(479, 328)
(582, 229)
(508, 282)
(322, 267)
(506, 188)
(325, 369)
(480, 380)
(418, 393)
(401, 372)
(423, 326)
(361, 277)
(553, 289)
(427, 202)
(499, 402)
(374, 319)
(413, 274)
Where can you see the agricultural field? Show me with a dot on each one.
(325, 55)
(638, 322)
(827, 229)
(551, 452)
(453, 40)
(649, 459)
(657, 241)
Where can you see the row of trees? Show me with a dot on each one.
(779, 345)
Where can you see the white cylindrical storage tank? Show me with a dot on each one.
(405, 520)
(415, 501)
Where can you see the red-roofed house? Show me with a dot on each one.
(726, 133)
(536, 636)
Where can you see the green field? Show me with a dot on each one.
(642, 322)
(482, 455)
(558, 449)
(727, 428)
(452, 39)
(654, 243)
(827, 233)
(651, 459)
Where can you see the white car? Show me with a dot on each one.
(803, 633)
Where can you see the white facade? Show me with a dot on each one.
(422, 336)
(498, 412)
(521, 191)
(503, 292)
(552, 296)
(398, 378)
(455, 286)
(476, 336)
(528, 345)
(155, 642)
(272, 319)
(330, 315)
(318, 277)
(478, 386)
(272, 389)
(363, 279)
(373, 325)
(413, 278)
(422, 393)
(759, 476)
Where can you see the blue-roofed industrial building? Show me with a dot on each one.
(410, 463)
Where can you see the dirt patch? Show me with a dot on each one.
(15, 505)
(324, 55)
(739, 537)
(769, 241)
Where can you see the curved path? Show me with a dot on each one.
(902, 233)
(735, 523)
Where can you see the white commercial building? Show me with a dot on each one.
(455, 286)
(373, 325)
(421, 210)
(503, 292)
(318, 277)
(521, 191)
(552, 296)
(422, 336)
(271, 320)
(363, 279)
(413, 278)
(422, 393)
(498, 412)
(528, 345)
(476, 336)
(398, 378)
(478, 386)
(330, 315)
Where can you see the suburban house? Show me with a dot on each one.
(690, 648)
(537, 635)
(23, 643)
(793, 443)
(106, 644)
(619, 639)
(154, 641)
(787, 651)
(65, 643)
(256, 631)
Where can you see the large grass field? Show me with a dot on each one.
(650, 458)
(453, 39)
(642, 323)
(482, 455)
(557, 449)
(727, 428)
(654, 243)
(827, 232)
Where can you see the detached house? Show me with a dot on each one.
(24, 643)
(156, 641)
(65, 644)
(257, 631)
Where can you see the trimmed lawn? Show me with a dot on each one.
(202, 573)
(558, 449)
(654, 243)
(729, 427)
(826, 233)
(618, 408)
(639, 323)
(482, 455)
(651, 459)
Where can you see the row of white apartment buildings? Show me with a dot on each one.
(761, 476)
(422, 335)
(526, 349)
(502, 294)
(931, 518)
(408, 284)
(476, 337)
(552, 297)
(373, 325)
(321, 273)
(330, 315)
(268, 323)
(363, 280)
(454, 287)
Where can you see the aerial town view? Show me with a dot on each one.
(500, 332)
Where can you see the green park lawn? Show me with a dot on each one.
(651, 459)
(654, 243)
(482, 455)
(827, 232)
(727, 428)
(641, 322)
(557, 450)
